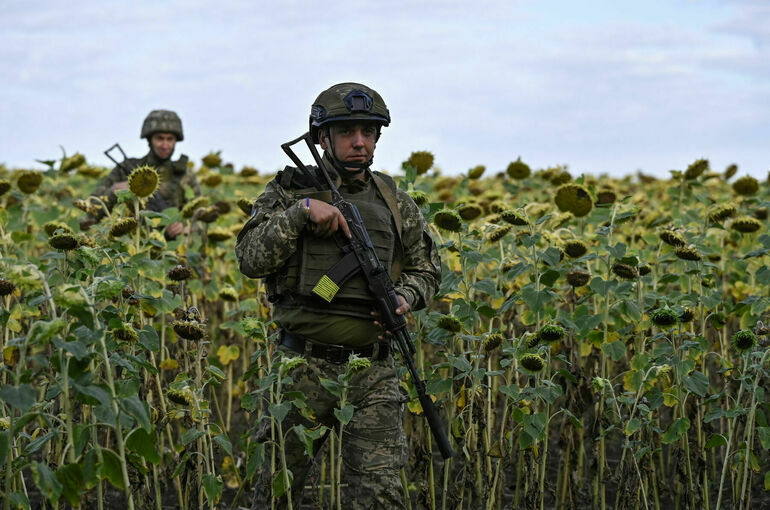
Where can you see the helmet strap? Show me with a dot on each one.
(348, 168)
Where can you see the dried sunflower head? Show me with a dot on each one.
(746, 185)
(52, 226)
(574, 198)
(518, 170)
(532, 362)
(179, 273)
(189, 330)
(606, 196)
(212, 180)
(687, 315)
(664, 317)
(578, 278)
(421, 161)
(72, 162)
(448, 219)
(470, 212)
(190, 207)
(63, 241)
(720, 212)
(761, 213)
(5, 186)
(184, 396)
(499, 233)
(644, 269)
(420, 198)
(560, 177)
(575, 248)
(696, 169)
(625, 271)
(744, 340)
(219, 234)
(245, 205)
(514, 217)
(449, 323)
(551, 333)
(249, 171)
(123, 226)
(6, 287)
(687, 253)
(125, 333)
(212, 159)
(730, 171)
(223, 206)
(143, 181)
(29, 181)
(672, 238)
(745, 225)
(476, 172)
(207, 215)
(228, 294)
(169, 364)
(492, 342)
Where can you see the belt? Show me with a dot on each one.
(330, 352)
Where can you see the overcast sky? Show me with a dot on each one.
(602, 86)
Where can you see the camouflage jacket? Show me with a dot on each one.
(270, 237)
(174, 177)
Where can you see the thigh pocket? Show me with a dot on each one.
(375, 440)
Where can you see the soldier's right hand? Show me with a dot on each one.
(326, 219)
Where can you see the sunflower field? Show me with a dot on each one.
(596, 343)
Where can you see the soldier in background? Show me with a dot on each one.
(162, 129)
(289, 242)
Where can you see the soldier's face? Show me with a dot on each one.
(353, 142)
(163, 144)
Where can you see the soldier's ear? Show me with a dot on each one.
(323, 138)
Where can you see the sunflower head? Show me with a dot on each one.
(575, 248)
(499, 233)
(72, 162)
(125, 333)
(696, 169)
(448, 219)
(123, 226)
(518, 170)
(574, 198)
(189, 330)
(687, 315)
(29, 181)
(760, 213)
(63, 241)
(5, 186)
(746, 225)
(578, 278)
(514, 217)
(560, 177)
(212, 180)
(730, 171)
(249, 171)
(6, 287)
(744, 340)
(212, 159)
(476, 172)
(672, 237)
(720, 212)
(143, 181)
(449, 323)
(687, 253)
(746, 185)
(551, 333)
(644, 269)
(664, 317)
(219, 234)
(179, 273)
(606, 196)
(190, 207)
(532, 362)
(228, 294)
(207, 214)
(52, 226)
(625, 271)
(492, 341)
(420, 198)
(421, 161)
(470, 212)
(182, 397)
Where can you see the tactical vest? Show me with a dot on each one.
(315, 256)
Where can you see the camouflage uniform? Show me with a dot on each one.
(374, 442)
(174, 177)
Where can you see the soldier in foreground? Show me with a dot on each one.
(162, 129)
(290, 242)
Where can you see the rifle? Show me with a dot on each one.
(118, 163)
(379, 283)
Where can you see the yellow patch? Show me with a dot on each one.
(326, 289)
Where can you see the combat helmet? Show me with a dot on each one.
(164, 121)
(347, 101)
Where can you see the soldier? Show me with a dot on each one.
(162, 129)
(289, 241)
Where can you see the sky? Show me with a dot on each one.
(600, 86)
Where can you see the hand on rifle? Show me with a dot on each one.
(401, 310)
(326, 219)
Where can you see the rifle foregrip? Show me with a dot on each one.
(436, 427)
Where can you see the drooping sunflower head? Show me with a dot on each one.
(219, 234)
(190, 207)
(212, 180)
(664, 317)
(551, 333)
(179, 273)
(746, 185)
(212, 159)
(470, 212)
(518, 170)
(606, 196)
(532, 362)
(687, 253)
(63, 241)
(123, 226)
(499, 233)
(52, 226)
(5, 186)
(448, 219)
(143, 181)
(189, 330)
(720, 212)
(746, 225)
(744, 340)
(687, 315)
(6, 287)
(420, 198)
(449, 323)
(29, 181)
(492, 341)
(696, 169)
(578, 278)
(730, 171)
(625, 271)
(228, 294)
(574, 198)
(575, 248)
(421, 161)
(514, 217)
(672, 237)
(476, 172)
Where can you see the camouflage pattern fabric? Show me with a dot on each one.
(374, 447)
(174, 178)
(270, 237)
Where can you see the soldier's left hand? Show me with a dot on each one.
(174, 229)
(401, 310)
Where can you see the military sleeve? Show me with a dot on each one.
(270, 236)
(104, 192)
(420, 279)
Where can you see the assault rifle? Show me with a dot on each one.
(379, 283)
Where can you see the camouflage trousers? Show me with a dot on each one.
(373, 442)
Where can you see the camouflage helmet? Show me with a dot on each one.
(347, 101)
(162, 121)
